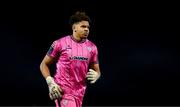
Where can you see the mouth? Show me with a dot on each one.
(85, 34)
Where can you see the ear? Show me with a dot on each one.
(73, 27)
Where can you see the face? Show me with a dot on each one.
(81, 29)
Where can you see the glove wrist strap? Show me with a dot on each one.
(49, 80)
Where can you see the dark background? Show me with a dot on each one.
(138, 51)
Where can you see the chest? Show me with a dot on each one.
(81, 52)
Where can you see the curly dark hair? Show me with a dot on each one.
(79, 16)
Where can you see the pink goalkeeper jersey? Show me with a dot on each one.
(73, 62)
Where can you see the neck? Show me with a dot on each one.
(76, 36)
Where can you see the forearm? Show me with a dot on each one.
(97, 69)
(54, 90)
(99, 72)
(44, 68)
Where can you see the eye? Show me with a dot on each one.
(84, 26)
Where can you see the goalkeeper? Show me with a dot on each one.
(76, 61)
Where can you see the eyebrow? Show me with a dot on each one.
(85, 26)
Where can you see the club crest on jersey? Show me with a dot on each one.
(89, 49)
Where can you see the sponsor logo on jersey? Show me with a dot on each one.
(79, 58)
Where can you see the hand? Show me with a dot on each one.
(54, 89)
(93, 76)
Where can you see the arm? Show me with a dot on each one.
(94, 72)
(44, 66)
(54, 89)
(96, 68)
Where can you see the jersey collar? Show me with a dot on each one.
(82, 41)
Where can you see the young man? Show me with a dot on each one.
(77, 61)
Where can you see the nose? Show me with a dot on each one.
(86, 29)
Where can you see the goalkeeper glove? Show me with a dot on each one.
(93, 76)
(54, 89)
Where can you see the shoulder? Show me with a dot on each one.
(62, 39)
(92, 44)
(59, 42)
